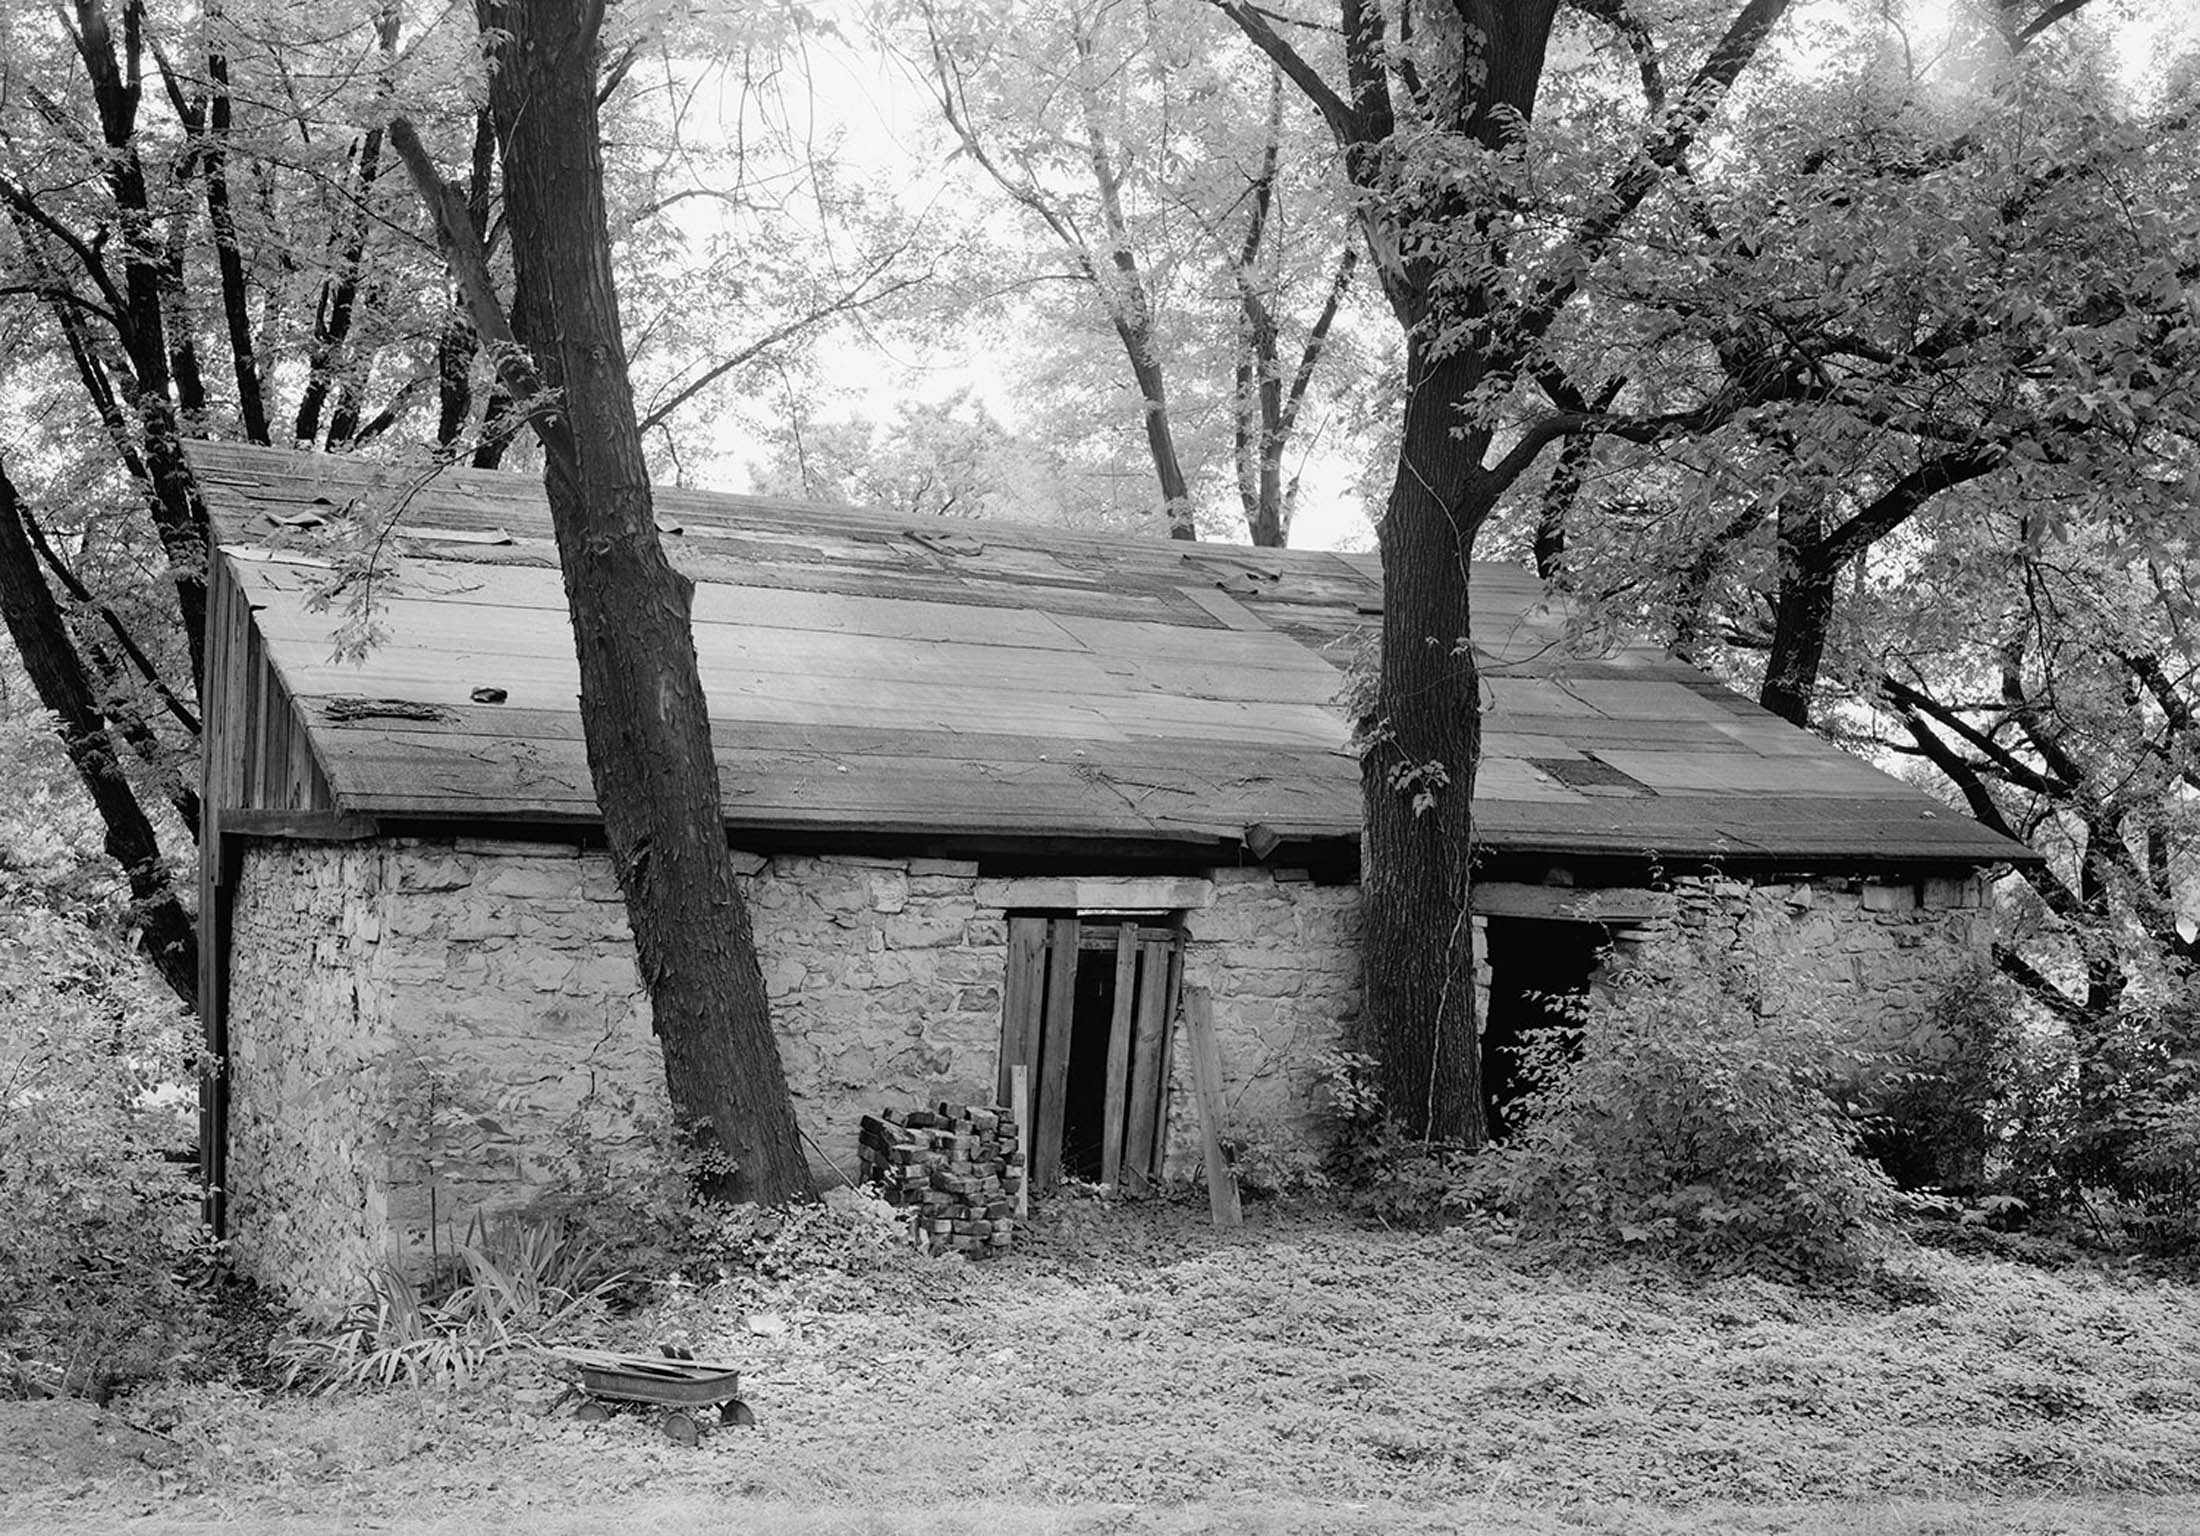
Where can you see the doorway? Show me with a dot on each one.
(1538, 969)
(1086, 1011)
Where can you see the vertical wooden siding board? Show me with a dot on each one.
(1146, 1086)
(267, 712)
(1054, 1054)
(1020, 999)
(1206, 1055)
(1119, 1054)
(1171, 1001)
(1018, 1100)
(247, 744)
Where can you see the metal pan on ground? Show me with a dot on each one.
(687, 1390)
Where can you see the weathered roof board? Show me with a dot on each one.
(954, 679)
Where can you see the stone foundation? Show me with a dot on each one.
(423, 1030)
(426, 1029)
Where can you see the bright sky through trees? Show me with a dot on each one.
(847, 98)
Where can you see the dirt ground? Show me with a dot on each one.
(1132, 1370)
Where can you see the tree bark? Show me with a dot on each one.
(1153, 399)
(141, 325)
(1417, 766)
(41, 635)
(642, 706)
(1802, 613)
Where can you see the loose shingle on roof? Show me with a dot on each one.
(1001, 681)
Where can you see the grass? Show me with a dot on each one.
(1134, 1370)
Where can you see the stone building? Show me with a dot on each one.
(999, 793)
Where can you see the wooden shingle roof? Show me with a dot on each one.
(992, 683)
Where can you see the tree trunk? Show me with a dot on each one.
(1417, 769)
(1802, 615)
(229, 258)
(1438, 247)
(141, 324)
(1556, 508)
(642, 707)
(1153, 398)
(41, 635)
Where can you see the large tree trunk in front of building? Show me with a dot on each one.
(1420, 746)
(642, 707)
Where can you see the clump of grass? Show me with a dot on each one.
(529, 1285)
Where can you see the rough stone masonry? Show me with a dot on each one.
(421, 1029)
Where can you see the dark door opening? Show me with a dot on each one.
(1086, 1011)
(1536, 967)
(1085, 1099)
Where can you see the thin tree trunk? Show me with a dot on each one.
(341, 302)
(1153, 395)
(222, 216)
(179, 517)
(642, 708)
(1555, 510)
(41, 635)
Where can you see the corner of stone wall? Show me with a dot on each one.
(308, 1072)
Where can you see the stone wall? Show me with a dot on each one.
(1876, 951)
(310, 1049)
(423, 1029)
(427, 1029)
(1281, 957)
(1880, 950)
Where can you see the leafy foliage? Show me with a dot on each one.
(102, 1224)
(1940, 1110)
(1379, 1168)
(2104, 1126)
(1184, 235)
(519, 1285)
(1696, 1110)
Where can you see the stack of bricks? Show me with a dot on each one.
(955, 1169)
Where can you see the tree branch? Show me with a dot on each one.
(1910, 700)
(462, 249)
(2038, 987)
(80, 593)
(1343, 122)
(1617, 15)
(42, 641)
(1661, 150)
(847, 302)
(1900, 501)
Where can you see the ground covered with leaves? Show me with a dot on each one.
(1131, 1368)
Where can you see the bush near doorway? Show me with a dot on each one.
(1696, 1109)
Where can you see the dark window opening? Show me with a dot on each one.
(1537, 967)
